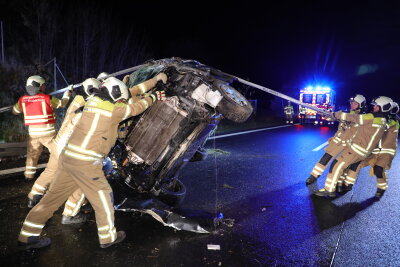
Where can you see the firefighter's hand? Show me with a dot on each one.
(68, 92)
(158, 95)
(162, 77)
(125, 80)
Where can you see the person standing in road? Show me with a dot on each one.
(340, 140)
(381, 158)
(289, 112)
(40, 186)
(37, 109)
(369, 133)
(302, 114)
(80, 164)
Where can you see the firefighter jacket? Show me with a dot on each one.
(67, 127)
(38, 113)
(369, 131)
(302, 110)
(288, 109)
(138, 91)
(96, 132)
(388, 144)
(346, 131)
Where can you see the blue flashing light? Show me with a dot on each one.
(318, 88)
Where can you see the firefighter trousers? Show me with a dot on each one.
(71, 175)
(74, 202)
(34, 150)
(344, 160)
(332, 150)
(379, 165)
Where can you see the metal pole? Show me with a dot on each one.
(2, 42)
(55, 74)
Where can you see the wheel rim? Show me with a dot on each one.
(234, 95)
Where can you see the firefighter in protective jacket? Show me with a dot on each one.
(40, 186)
(340, 140)
(382, 156)
(37, 108)
(369, 133)
(80, 164)
(289, 112)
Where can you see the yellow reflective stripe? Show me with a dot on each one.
(146, 105)
(142, 87)
(42, 133)
(373, 139)
(108, 212)
(98, 111)
(30, 167)
(78, 205)
(80, 156)
(71, 204)
(25, 233)
(358, 151)
(30, 172)
(36, 121)
(16, 110)
(318, 168)
(39, 187)
(91, 131)
(127, 112)
(38, 116)
(103, 228)
(84, 151)
(34, 225)
(104, 236)
(34, 192)
(377, 125)
(360, 148)
(335, 176)
(361, 120)
(24, 109)
(44, 111)
(343, 116)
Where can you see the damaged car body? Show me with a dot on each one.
(144, 166)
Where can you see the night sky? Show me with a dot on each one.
(286, 45)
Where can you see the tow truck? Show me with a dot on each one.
(322, 97)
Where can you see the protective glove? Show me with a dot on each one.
(162, 77)
(69, 91)
(158, 95)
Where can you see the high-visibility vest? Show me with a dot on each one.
(37, 109)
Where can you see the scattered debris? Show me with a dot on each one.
(213, 247)
(227, 186)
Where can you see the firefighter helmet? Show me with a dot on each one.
(101, 76)
(116, 89)
(360, 99)
(395, 109)
(90, 84)
(384, 102)
(33, 84)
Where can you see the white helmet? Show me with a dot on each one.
(89, 84)
(33, 84)
(384, 102)
(360, 99)
(102, 75)
(395, 109)
(116, 88)
(35, 81)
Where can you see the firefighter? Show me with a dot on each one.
(302, 114)
(289, 112)
(339, 141)
(75, 201)
(37, 108)
(369, 133)
(381, 158)
(80, 164)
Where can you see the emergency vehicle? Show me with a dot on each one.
(321, 97)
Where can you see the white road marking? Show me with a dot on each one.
(321, 146)
(22, 169)
(246, 132)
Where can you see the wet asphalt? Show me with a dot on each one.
(256, 179)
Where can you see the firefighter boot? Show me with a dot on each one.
(379, 193)
(34, 242)
(34, 201)
(120, 237)
(311, 179)
(323, 193)
(80, 218)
